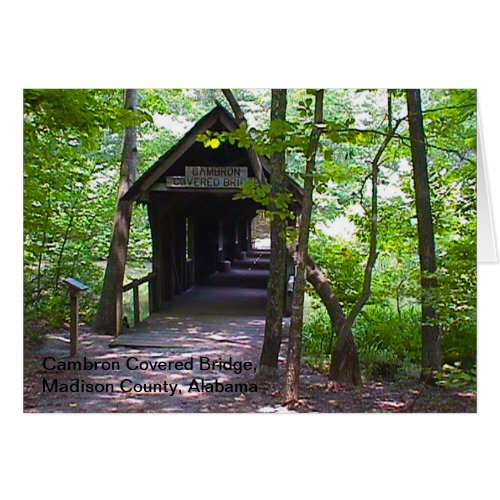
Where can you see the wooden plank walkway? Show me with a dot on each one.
(227, 316)
(196, 333)
(202, 321)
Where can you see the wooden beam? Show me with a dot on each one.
(137, 282)
(157, 247)
(162, 187)
(137, 305)
(151, 300)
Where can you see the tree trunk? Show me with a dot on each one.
(276, 283)
(109, 318)
(291, 391)
(324, 289)
(431, 337)
(344, 367)
(347, 370)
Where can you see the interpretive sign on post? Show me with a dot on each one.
(210, 177)
(75, 289)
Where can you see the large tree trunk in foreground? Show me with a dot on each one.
(291, 391)
(109, 318)
(431, 337)
(276, 283)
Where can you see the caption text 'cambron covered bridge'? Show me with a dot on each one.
(197, 228)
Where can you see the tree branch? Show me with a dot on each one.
(240, 118)
(238, 112)
(443, 108)
(407, 142)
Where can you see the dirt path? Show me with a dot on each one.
(216, 323)
(316, 397)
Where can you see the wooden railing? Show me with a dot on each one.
(134, 286)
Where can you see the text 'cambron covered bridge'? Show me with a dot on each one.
(197, 228)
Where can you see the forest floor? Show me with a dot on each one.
(317, 394)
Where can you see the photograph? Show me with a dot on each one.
(249, 250)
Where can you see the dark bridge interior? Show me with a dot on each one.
(203, 239)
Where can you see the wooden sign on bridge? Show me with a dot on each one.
(210, 177)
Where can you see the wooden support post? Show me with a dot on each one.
(73, 329)
(151, 284)
(249, 234)
(134, 286)
(137, 309)
(158, 244)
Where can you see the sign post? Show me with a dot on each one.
(75, 289)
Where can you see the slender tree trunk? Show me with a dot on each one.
(344, 367)
(73, 212)
(109, 318)
(291, 390)
(63, 246)
(276, 283)
(431, 337)
(42, 251)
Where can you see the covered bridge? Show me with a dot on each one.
(197, 228)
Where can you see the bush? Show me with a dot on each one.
(382, 328)
(379, 363)
(455, 378)
(459, 346)
(317, 333)
(50, 307)
(389, 343)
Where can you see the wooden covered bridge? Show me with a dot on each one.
(201, 235)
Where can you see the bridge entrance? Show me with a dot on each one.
(201, 235)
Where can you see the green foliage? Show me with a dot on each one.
(388, 331)
(317, 333)
(212, 139)
(277, 206)
(455, 378)
(382, 328)
(80, 114)
(43, 300)
(460, 344)
(380, 363)
(386, 341)
(343, 264)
